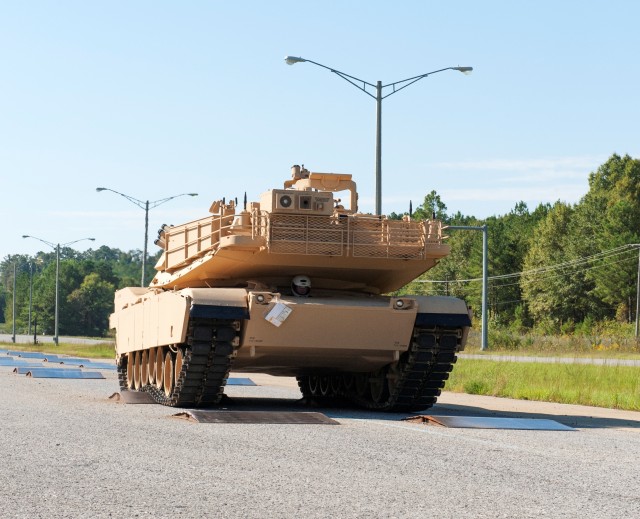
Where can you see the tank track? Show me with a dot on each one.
(207, 356)
(413, 383)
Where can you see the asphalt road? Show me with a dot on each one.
(69, 451)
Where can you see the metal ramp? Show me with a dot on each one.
(256, 417)
(57, 373)
(132, 397)
(486, 422)
(10, 362)
(240, 381)
(48, 365)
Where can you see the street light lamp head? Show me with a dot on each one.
(26, 236)
(98, 189)
(192, 194)
(464, 70)
(292, 60)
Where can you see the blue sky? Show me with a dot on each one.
(157, 98)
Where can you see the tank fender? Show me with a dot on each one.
(442, 311)
(145, 318)
(217, 303)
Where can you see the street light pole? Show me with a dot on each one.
(55, 338)
(145, 205)
(484, 344)
(396, 87)
(13, 337)
(638, 296)
(30, 293)
(146, 241)
(379, 147)
(56, 247)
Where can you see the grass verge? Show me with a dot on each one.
(615, 387)
(93, 351)
(501, 341)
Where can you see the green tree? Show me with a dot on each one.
(70, 277)
(114, 268)
(509, 241)
(432, 205)
(558, 295)
(610, 215)
(91, 304)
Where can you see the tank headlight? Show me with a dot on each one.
(399, 303)
(285, 201)
(260, 298)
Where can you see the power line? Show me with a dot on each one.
(599, 256)
(544, 278)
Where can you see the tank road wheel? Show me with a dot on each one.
(178, 364)
(362, 384)
(324, 385)
(394, 373)
(348, 381)
(378, 386)
(314, 384)
(159, 368)
(136, 370)
(144, 368)
(130, 371)
(151, 365)
(168, 373)
(335, 384)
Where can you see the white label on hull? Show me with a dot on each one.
(278, 314)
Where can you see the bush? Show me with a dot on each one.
(504, 339)
(476, 387)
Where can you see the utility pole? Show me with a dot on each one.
(30, 293)
(638, 294)
(145, 205)
(485, 277)
(13, 338)
(56, 247)
(378, 97)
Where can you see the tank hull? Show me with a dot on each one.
(334, 336)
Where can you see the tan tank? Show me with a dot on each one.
(292, 285)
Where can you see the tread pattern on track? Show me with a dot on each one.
(412, 384)
(207, 357)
